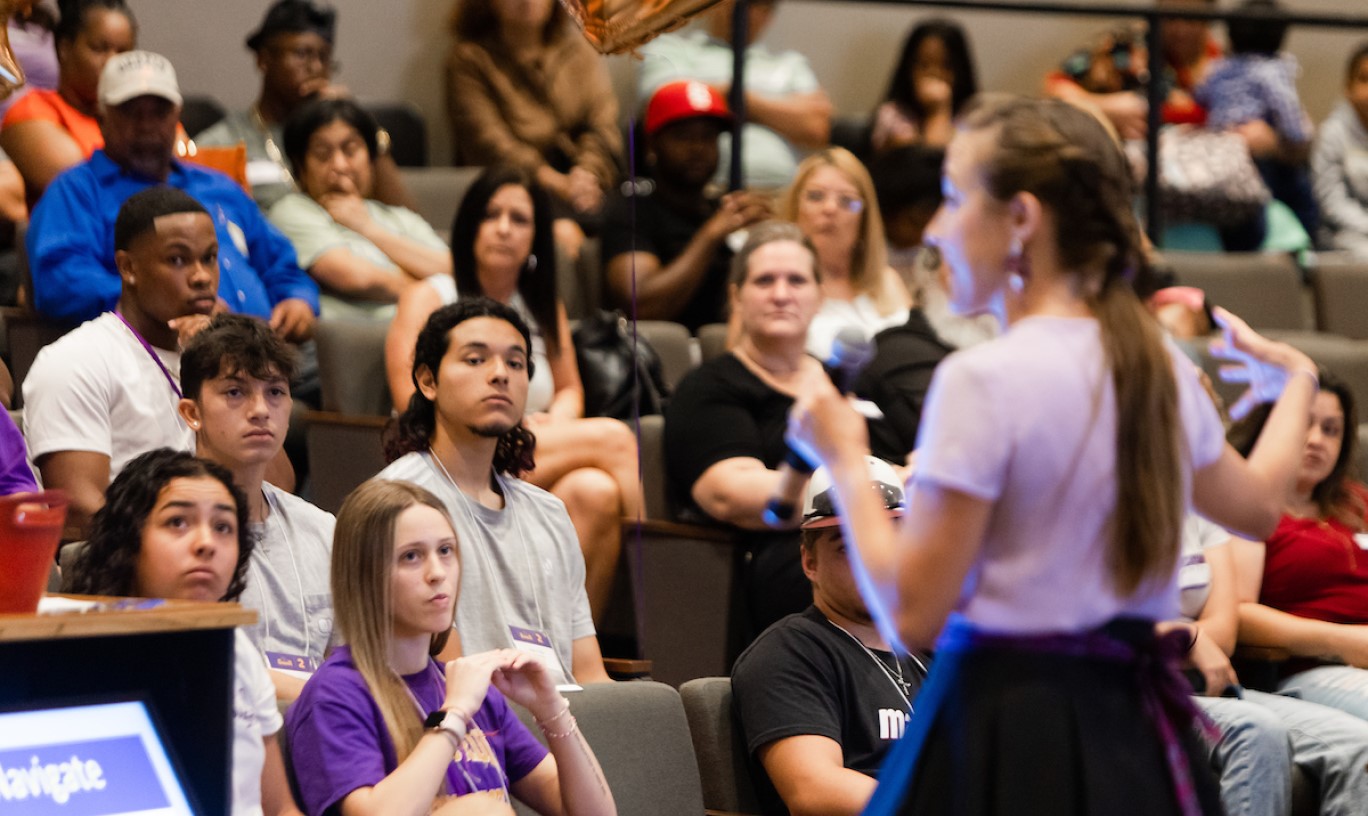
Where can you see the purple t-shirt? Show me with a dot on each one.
(338, 741)
(15, 476)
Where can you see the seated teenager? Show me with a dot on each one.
(664, 243)
(235, 376)
(382, 727)
(1306, 588)
(108, 390)
(362, 252)
(463, 437)
(502, 247)
(48, 131)
(176, 527)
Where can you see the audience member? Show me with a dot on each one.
(1338, 169)
(525, 89)
(15, 474)
(50, 130)
(1110, 73)
(235, 376)
(897, 380)
(665, 240)
(832, 201)
(357, 745)
(1257, 729)
(294, 53)
(934, 78)
(724, 426)
(108, 390)
(821, 696)
(1254, 91)
(907, 183)
(74, 277)
(462, 436)
(362, 252)
(502, 247)
(1305, 589)
(1040, 545)
(29, 28)
(176, 527)
(787, 112)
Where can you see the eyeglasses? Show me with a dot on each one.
(849, 203)
(307, 56)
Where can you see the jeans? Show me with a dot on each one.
(1342, 687)
(1263, 734)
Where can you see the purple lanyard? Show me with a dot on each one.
(171, 381)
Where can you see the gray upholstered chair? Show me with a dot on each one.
(351, 366)
(640, 735)
(674, 345)
(723, 761)
(1264, 288)
(1341, 287)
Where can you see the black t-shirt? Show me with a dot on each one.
(897, 380)
(805, 676)
(720, 411)
(664, 229)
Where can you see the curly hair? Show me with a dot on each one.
(412, 430)
(108, 563)
(235, 344)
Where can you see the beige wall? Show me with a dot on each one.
(395, 48)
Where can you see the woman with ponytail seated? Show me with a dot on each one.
(382, 727)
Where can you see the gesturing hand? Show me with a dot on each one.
(1261, 363)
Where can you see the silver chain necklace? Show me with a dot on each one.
(895, 676)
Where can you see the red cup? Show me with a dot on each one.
(30, 530)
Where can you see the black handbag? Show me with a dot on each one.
(622, 377)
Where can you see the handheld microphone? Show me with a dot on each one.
(851, 351)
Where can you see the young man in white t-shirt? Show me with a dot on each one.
(108, 390)
(236, 375)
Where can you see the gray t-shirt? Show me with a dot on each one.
(287, 582)
(522, 571)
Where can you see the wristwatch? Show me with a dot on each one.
(449, 722)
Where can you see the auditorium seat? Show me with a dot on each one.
(723, 761)
(1341, 290)
(1263, 288)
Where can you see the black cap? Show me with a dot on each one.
(292, 17)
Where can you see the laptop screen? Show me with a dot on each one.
(87, 760)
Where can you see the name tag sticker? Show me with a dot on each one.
(298, 665)
(1191, 576)
(537, 644)
(1361, 539)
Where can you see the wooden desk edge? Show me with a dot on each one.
(171, 616)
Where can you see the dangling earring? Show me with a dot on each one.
(1016, 267)
(531, 262)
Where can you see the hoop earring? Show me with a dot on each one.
(1017, 270)
(532, 262)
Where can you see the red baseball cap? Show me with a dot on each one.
(684, 99)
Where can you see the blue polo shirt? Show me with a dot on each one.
(71, 242)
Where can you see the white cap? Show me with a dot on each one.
(819, 503)
(137, 73)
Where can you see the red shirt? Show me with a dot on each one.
(1317, 569)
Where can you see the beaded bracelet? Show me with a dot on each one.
(550, 735)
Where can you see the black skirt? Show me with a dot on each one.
(1019, 730)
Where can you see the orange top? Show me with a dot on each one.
(45, 105)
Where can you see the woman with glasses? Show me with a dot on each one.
(832, 201)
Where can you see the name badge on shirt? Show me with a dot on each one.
(295, 665)
(1361, 539)
(537, 644)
